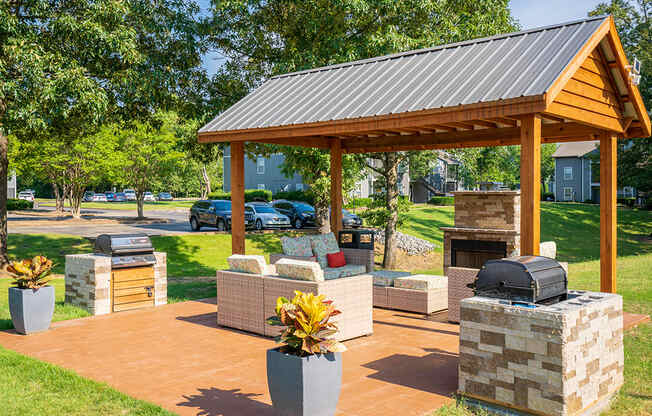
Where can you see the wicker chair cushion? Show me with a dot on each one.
(386, 277)
(548, 249)
(421, 282)
(299, 270)
(347, 270)
(323, 244)
(299, 246)
(247, 264)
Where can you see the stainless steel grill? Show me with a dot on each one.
(531, 279)
(126, 250)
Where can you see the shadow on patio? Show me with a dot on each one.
(234, 402)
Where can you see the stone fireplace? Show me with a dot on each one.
(487, 226)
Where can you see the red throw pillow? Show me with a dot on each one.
(336, 259)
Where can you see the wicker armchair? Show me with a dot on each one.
(352, 256)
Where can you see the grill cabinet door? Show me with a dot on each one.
(132, 288)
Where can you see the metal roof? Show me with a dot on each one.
(575, 149)
(483, 70)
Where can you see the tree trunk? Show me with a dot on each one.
(206, 183)
(4, 172)
(391, 203)
(140, 201)
(322, 218)
(59, 197)
(75, 199)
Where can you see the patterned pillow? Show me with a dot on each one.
(247, 263)
(323, 244)
(300, 270)
(299, 246)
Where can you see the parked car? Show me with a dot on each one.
(164, 196)
(299, 213)
(88, 196)
(110, 196)
(350, 220)
(130, 194)
(148, 197)
(214, 213)
(26, 195)
(99, 198)
(119, 197)
(265, 216)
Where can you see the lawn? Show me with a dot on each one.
(126, 206)
(575, 228)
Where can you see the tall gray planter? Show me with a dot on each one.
(31, 310)
(304, 386)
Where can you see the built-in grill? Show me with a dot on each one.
(531, 279)
(132, 269)
(126, 250)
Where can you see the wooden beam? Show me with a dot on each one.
(608, 212)
(237, 198)
(585, 116)
(505, 121)
(530, 184)
(311, 141)
(416, 119)
(336, 186)
(483, 123)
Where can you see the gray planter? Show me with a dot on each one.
(31, 310)
(303, 386)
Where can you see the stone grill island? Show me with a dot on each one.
(562, 359)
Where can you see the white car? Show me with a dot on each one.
(148, 197)
(99, 198)
(130, 194)
(26, 195)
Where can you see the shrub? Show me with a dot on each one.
(250, 195)
(307, 327)
(18, 204)
(303, 196)
(377, 214)
(359, 203)
(547, 196)
(627, 201)
(442, 200)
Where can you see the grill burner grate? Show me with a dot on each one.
(530, 279)
(126, 250)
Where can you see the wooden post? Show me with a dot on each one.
(530, 184)
(608, 221)
(237, 198)
(336, 186)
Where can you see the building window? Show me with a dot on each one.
(261, 186)
(299, 187)
(260, 166)
(568, 173)
(568, 194)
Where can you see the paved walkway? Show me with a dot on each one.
(177, 357)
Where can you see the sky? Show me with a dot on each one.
(529, 13)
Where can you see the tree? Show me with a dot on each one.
(56, 60)
(149, 151)
(633, 21)
(261, 38)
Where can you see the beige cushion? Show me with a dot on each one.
(300, 270)
(421, 282)
(548, 249)
(247, 263)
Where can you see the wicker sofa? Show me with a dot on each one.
(245, 300)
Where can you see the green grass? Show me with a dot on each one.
(126, 206)
(53, 246)
(32, 387)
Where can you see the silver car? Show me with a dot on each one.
(266, 217)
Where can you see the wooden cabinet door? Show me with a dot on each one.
(132, 288)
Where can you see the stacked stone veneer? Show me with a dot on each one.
(88, 282)
(563, 359)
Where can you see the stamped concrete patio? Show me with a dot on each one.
(177, 357)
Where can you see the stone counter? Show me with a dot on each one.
(563, 359)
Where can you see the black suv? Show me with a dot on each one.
(214, 214)
(299, 213)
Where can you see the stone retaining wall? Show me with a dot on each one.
(563, 359)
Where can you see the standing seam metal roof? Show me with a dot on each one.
(482, 70)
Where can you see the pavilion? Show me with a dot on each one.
(561, 83)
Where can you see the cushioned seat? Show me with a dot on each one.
(331, 273)
(421, 282)
(386, 277)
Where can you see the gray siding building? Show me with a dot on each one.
(263, 173)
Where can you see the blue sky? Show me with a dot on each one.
(530, 14)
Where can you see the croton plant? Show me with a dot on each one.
(31, 273)
(308, 329)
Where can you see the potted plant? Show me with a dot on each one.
(304, 375)
(31, 302)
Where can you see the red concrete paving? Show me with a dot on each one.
(177, 357)
(632, 320)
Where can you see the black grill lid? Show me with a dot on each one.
(122, 244)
